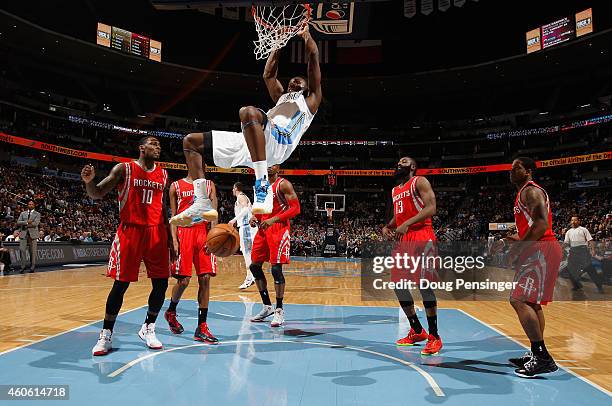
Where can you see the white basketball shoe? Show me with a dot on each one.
(199, 211)
(266, 311)
(279, 318)
(263, 197)
(147, 334)
(248, 281)
(104, 344)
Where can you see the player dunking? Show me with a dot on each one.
(538, 256)
(189, 243)
(272, 244)
(266, 138)
(414, 203)
(142, 235)
(242, 213)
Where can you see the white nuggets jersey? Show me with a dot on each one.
(246, 232)
(290, 119)
(244, 220)
(286, 123)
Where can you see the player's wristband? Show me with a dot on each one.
(291, 212)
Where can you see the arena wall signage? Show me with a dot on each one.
(55, 253)
(466, 170)
(501, 226)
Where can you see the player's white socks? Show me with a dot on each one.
(261, 169)
(199, 188)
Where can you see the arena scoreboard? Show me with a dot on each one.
(560, 31)
(128, 42)
(557, 32)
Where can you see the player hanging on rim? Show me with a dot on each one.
(267, 138)
(414, 203)
(143, 235)
(272, 244)
(189, 243)
(536, 255)
(242, 212)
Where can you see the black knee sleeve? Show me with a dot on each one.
(428, 295)
(115, 297)
(257, 272)
(404, 296)
(159, 285)
(277, 274)
(406, 303)
(158, 294)
(429, 304)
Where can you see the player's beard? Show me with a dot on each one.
(402, 173)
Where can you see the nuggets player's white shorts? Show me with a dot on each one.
(230, 149)
(247, 233)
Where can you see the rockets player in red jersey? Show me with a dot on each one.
(414, 203)
(536, 255)
(272, 244)
(143, 235)
(189, 243)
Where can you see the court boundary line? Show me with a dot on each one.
(430, 380)
(64, 332)
(585, 380)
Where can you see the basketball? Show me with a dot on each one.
(223, 240)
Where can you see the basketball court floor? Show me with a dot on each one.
(333, 350)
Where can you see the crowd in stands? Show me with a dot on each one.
(68, 214)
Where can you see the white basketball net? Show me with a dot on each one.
(276, 25)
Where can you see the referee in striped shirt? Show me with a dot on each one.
(582, 247)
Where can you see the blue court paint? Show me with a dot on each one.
(325, 355)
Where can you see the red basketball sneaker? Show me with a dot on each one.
(173, 323)
(433, 346)
(412, 338)
(203, 334)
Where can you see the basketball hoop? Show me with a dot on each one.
(276, 25)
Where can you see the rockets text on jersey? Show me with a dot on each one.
(407, 203)
(141, 195)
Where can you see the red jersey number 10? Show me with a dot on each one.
(147, 196)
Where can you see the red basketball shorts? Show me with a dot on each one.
(272, 244)
(536, 272)
(192, 252)
(134, 244)
(416, 251)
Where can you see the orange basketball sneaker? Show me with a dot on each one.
(412, 338)
(433, 346)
